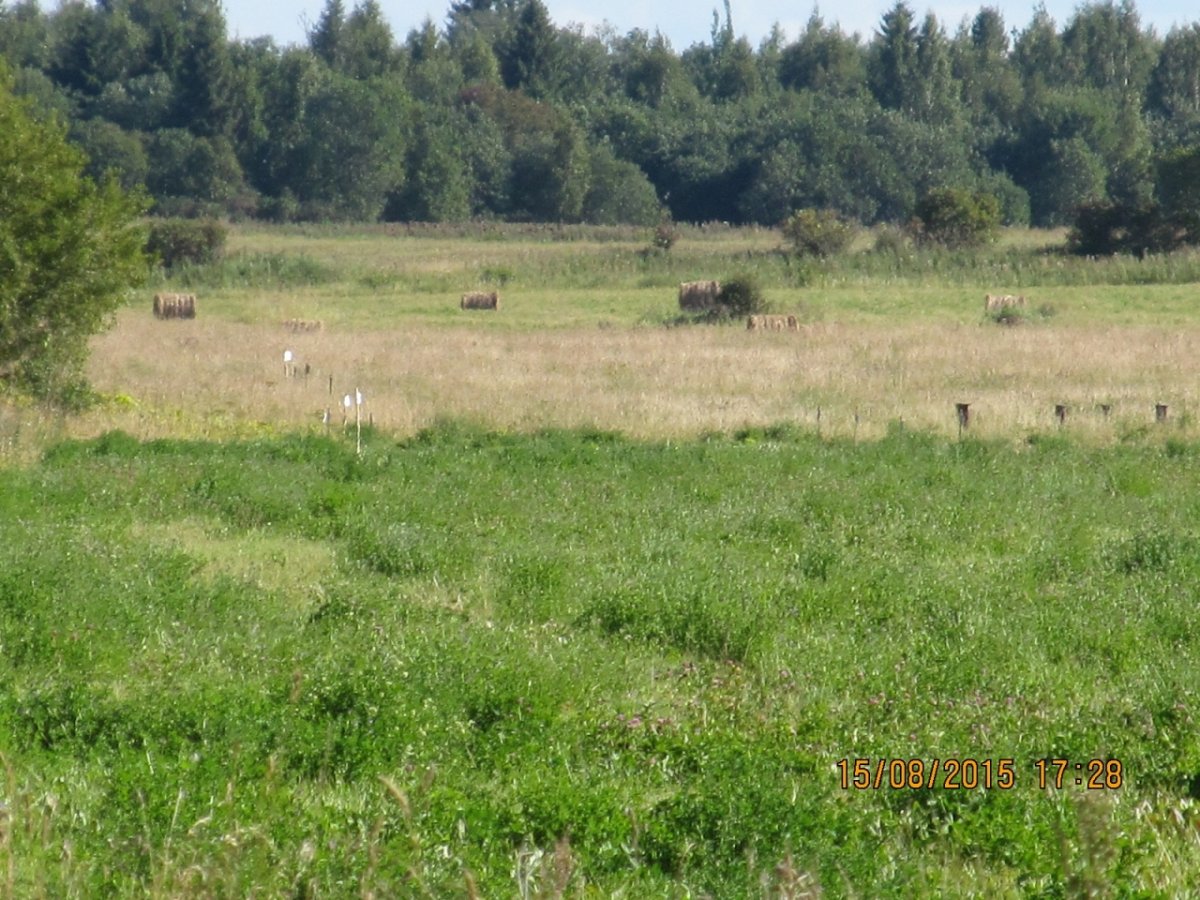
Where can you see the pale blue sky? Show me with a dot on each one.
(683, 23)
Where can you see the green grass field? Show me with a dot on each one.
(570, 662)
(599, 610)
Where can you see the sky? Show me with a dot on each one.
(683, 22)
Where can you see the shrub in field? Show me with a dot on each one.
(891, 240)
(665, 235)
(742, 296)
(1104, 229)
(176, 241)
(957, 218)
(818, 232)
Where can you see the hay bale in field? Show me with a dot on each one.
(480, 300)
(699, 296)
(772, 323)
(995, 303)
(304, 325)
(174, 306)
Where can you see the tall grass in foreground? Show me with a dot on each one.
(569, 661)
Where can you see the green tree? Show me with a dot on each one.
(349, 152)
(619, 193)
(958, 218)
(893, 59)
(204, 85)
(1174, 91)
(548, 156)
(493, 20)
(530, 59)
(325, 38)
(79, 49)
(736, 71)
(652, 74)
(24, 34)
(1074, 176)
(823, 60)
(142, 103)
(1177, 189)
(368, 48)
(935, 93)
(437, 188)
(476, 59)
(188, 174)
(433, 75)
(289, 81)
(990, 84)
(550, 175)
(112, 151)
(1038, 52)
(1105, 47)
(69, 252)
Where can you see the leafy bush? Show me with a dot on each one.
(891, 240)
(176, 241)
(957, 218)
(665, 235)
(818, 232)
(742, 296)
(70, 249)
(1105, 229)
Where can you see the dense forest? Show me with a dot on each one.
(501, 113)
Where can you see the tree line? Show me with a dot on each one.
(502, 113)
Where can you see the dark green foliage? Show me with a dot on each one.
(818, 232)
(1172, 95)
(1178, 190)
(824, 59)
(177, 241)
(618, 192)
(191, 175)
(69, 251)
(958, 218)
(365, 47)
(1172, 221)
(530, 57)
(742, 296)
(203, 96)
(728, 130)
(112, 152)
(893, 59)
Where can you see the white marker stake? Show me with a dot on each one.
(347, 402)
(358, 420)
(287, 361)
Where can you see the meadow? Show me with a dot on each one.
(601, 608)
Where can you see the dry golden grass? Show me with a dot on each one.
(221, 379)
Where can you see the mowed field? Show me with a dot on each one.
(602, 607)
(580, 339)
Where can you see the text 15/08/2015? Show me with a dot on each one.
(970, 774)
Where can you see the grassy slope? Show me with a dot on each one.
(569, 658)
